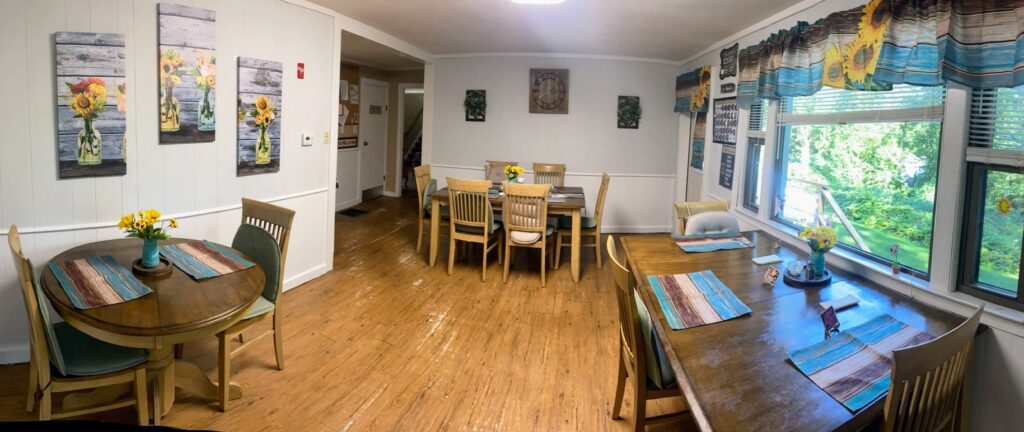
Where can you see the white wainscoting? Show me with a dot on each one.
(636, 203)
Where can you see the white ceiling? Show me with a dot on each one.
(660, 29)
(362, 51)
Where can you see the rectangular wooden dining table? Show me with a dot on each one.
(736, 375)
(571, 206)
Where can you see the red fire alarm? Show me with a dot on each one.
(301, 71)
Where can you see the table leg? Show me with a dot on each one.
(161, 370)
(435, 228)
(192, 379)
(575, 245)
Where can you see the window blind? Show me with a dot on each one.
(758, 121)
(997, 119)
(830, 106)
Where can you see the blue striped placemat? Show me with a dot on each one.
(204, 260)
(695, 299)
(854, 366)
(97, 281)
(711, 243)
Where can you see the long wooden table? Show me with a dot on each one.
(736, 374)
(571, 206)
(180, 309)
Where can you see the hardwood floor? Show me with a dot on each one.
(383, 342)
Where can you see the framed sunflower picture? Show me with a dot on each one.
(188, 74)
(91, 104)
(259, 116)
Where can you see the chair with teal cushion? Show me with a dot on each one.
(63, 359)
(425, 188)
(589, 227)
(263, 237)
(472, 219)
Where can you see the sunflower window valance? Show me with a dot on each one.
(693, 89)
(886, 42)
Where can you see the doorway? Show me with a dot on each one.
(373, 130)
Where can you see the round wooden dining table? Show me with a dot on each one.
(180, 309)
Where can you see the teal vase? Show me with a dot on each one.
(150, 253)
(817, 260)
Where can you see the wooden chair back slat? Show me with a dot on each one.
(494, 171)
(469, 203)
(629, 325)
(275, 220)
(526, 207)
(38, 347)
(929, 381)
(602, 193)
(549, 173)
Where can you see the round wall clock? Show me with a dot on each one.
(549, 91)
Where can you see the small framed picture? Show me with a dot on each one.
(771, 276)
(830, 321)
(347, 143)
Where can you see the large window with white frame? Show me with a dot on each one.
(993, 236)
(866, 164)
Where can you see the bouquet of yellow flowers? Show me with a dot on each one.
(821, 238)
(143, 225)
(513, 171)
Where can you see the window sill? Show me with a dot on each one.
(999, 317)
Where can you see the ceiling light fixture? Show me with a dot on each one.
(538, 2)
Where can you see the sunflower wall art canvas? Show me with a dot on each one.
(91, 104)
(188, 74)
(259, 116)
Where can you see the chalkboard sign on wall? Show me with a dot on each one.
(725, 171)
(729, 61)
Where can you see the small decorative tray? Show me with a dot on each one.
(163, 269)
(805, 279)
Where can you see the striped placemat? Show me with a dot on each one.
(97, 281)
(695, 299)
(712, 243)
(854, 366)
(204, 260)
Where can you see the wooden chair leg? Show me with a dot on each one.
(640, 405)
(451, 255)
(508, 258)
(543, 263)
(597, 248)
(278, 342)
(45, 404)
(620, 387)
(483, 264)
(419, 237)
(558, 250)
(33, 385)
(224, 370)
(141, 397)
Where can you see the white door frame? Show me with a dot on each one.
(399, 140)
(363, 81)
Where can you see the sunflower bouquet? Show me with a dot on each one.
(88, 100)
(170, 76)
(143, 225)
(263, 114)
(513, 172)
(820, 238)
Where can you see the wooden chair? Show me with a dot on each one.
(632, 353)
(685, 209)
(263, 236)
(495, 170)
(79, 362)
(590, 227)
(548, 173)
(425, 186)
(930, 386)
(472, 219)
(526, 222)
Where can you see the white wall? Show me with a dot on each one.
(642, 162)
(999, 362)
(194, 182)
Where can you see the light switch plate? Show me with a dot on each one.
(307, 139)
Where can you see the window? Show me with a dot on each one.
(866, 164)
(755, 162)
(993, 217)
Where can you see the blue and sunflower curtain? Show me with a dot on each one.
(693, 90)
(977, 43)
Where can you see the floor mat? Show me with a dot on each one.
(353, 212)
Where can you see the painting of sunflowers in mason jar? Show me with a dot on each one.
(850, 62)
(259, 116)
(187, 74)
(91, 104)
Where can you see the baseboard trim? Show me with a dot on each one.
(345, 205)
(306, 276)
(14, 354)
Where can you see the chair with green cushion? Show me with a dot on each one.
(63, 359)
(526, 214)
(263, 237)
(425, 187)
(589, 226)
(640, 353)
(472, 219)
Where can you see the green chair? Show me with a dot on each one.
(63, 359)
(263, 236)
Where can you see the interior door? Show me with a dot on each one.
(373, 126)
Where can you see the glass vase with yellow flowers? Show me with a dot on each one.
(170, 76)
(821, 239)
(146, 225)
(205, 74)
(513, 172)
(263, 114)
(88, 100)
